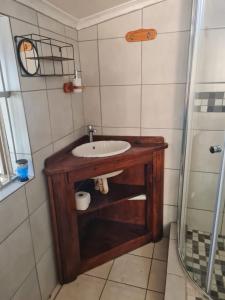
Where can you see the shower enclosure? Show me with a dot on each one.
(201, 227)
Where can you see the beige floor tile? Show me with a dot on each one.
(145, 251)
(161, 249)
(157, 279)
(154, 296)
(83, 288)
(119, 291)
(101, 271)
(131, 269)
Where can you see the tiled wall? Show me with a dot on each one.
(54, 120)
(139, 88)
(208, 127)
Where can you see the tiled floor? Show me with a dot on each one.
(197, 253)
(139, 275)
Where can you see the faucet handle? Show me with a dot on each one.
(91, 128)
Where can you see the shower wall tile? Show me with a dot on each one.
(13, 211)
(208, 121)
(88, 34)
(118, 27)
(202, 190)
(178, 18)
(37, 115)
(161, 104)
(92, 109)
(122, 102)
(173, 138)
(29, 288)
(211, 56)
(202, 140)
(120, 62)
(165, 59)
(200, 220)
(89, 63)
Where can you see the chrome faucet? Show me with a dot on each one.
(91, 131)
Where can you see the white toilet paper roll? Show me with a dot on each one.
(83, 200)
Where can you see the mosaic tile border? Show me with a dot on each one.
(209, 102)
(196, 260)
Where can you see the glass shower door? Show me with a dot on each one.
(202, 224)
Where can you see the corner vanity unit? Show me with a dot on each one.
(115, 222)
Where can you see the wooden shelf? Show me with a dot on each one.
(102, 235)
(117, 193)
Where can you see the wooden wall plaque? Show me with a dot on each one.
(141, 35)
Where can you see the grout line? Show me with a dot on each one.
(107, 279)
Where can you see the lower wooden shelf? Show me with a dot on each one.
(102, 235)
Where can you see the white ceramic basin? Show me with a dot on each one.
(101, 149)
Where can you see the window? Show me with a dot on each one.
(7, 147)
(14, 140)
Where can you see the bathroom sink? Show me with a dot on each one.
(101, 149)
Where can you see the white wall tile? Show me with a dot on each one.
(47, 274)
(202, 190)
(62, 143)
(171, 185)
(16, 260)
(50, 24)
(78, 110)
(41, 230)
(169, 215)
(122, 102)
(164, 60)
(71, 33)
(200, 220)
(214, 14)
(89, 63)
(121, 131)
(168, 16)
(211, 58)
(173, 138)
(29, 288)
(120, 62)
(202, 140)
(118, 27)
(223, 225)
(36, 190)
(92, 112)
(13, 211)
(88, 34)
(37, 115)
(61, 117)
(17, 10)
(163, 106)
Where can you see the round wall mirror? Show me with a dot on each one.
(28, 56)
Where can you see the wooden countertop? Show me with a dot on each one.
(140, 152)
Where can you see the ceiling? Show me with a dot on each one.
(84, 8)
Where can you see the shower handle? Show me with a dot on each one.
(215, 149)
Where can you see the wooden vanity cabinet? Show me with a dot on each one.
(112, 225)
